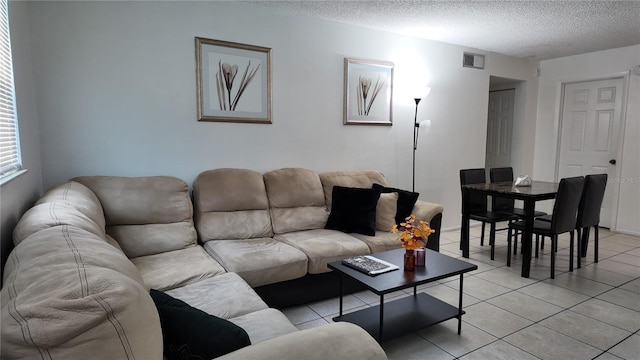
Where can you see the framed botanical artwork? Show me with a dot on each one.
(368, 92)
(233, 82)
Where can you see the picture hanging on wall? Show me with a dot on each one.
(368, 90)
(233, 82)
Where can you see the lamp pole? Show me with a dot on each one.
(416, 126)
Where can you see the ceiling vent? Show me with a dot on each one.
(470, 60)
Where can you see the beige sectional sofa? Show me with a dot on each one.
(87, 253)
(270, 228)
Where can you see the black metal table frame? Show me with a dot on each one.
(539, 190)
(422, 309)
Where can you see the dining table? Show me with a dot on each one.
(537, 191)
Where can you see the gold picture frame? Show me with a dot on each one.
(233, 82)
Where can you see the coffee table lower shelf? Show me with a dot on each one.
(402, 316)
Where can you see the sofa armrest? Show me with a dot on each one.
(426, 211)
(431, 213)
(334, 341)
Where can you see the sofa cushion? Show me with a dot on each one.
(231, 204)
(74, 294)
(260, 261)
(296, 200)
(177, 268)
(323, 246)
(340, 340)
(146, 215)
(355, 179)
(382, 241)
(226, 296)
(151, 239)
(386, 211)
(406, 201)
(353, 210)
(187, 330)
(264, 324)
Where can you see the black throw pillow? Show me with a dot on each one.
(353, 210)
(406, 201)
(190, 333)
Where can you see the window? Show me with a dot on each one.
(10, 160)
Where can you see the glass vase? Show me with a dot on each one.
(409, 261)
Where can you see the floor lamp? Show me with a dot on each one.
(424, 124)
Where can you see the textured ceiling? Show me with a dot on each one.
(536, 29)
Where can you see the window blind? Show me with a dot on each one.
(9, 140)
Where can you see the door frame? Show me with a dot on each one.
(615, 194)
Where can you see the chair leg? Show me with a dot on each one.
(595, 243)
(554, 240)
(492, 240)
(515, 243)
(585, 241)
(509, 247)
(482, 235)
(571, 250)
(579, 242)
(542, 244)
(537, 242)
(579, 238)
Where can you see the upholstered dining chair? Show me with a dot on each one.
(479, 207)
(563, 220)
(505, 174)
(588, 213)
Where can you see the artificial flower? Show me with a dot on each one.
(413, 233)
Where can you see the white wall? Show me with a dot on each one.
(592, 66)
(19, 194)
(116, 96)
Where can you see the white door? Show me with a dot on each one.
(590, 133)
(499, 128)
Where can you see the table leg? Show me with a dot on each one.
(460, 307)
(341, 292)
(464, 229)
(381, 317)
(529, 207)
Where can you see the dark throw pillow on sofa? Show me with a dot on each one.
(353, 210)
(406, 201)
(190, 333)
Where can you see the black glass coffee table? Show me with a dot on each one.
(407, 314)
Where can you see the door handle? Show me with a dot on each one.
(612, 161)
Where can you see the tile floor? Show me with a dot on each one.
(592, 312)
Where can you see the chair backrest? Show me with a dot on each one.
(591, 201)
(477, 202)
(501, 174)
(565, 207)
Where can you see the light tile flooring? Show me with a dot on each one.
(592, 312)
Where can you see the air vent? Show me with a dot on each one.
(475, 61)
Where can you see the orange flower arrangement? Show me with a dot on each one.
(412, 233)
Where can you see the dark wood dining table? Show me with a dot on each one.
(539, 190)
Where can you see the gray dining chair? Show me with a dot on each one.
(563, 219)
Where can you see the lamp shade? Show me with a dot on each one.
(424, 126)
